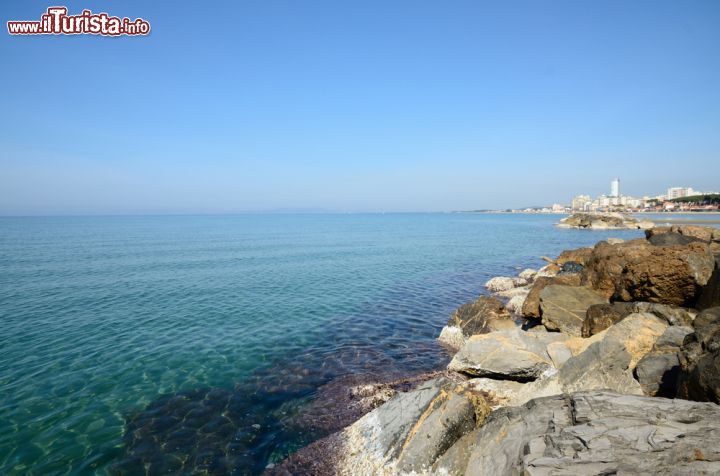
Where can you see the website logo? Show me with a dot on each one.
(56, 21)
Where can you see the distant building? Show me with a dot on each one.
(615, 187)
(679, 192)
(581, 203)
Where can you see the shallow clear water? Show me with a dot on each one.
(114, 330)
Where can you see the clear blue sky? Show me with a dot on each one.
(361, 106)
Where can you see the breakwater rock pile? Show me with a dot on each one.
(604, 221)
(605, 361)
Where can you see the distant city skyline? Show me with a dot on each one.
(373, 106)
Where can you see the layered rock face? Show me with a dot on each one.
(604, 221)
(588, 433)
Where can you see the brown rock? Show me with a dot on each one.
(704, 233)
(579, 255)
(531, 306)
(638, 271)
(601, 316)
(563, 307)
(486, 314)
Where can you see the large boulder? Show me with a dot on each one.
(531, 305)
(703, 233)
(486, 314)
(671, 239)
(700, 359)
(506, 355)
(606, 361)
(601, 316)
(597, 432)
(658, 371)
(563, 308)
(638, 271)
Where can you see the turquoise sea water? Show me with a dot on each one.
(190, 343)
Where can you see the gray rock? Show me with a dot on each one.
(607, 362)
(448, 417)
(563, 308)
(506, 355)
(596, 432)
(658, 371)
(700, 359)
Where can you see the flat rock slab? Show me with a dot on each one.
(506, 355)
(586, 433)
(563, 308)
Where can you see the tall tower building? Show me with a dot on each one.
(615, 187)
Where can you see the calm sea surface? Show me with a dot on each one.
(192, 343)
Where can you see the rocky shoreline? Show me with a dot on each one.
(604, 361)
(604, 221)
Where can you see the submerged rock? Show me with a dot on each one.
(596, 432)
(563, 308)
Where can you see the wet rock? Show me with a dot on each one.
(658, 371)
(503, 283)
(345, 399)
(531, 306)
(484, 315)
(601, 316)
(638, 271)
(700, 359)
(511, 355)
(596, 432)
(563, 308)
(604, 221)
(405, 434)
